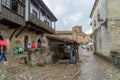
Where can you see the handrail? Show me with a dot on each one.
(40, 23)
(12, 11)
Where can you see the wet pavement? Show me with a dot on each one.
(19, 71)
(95, 68)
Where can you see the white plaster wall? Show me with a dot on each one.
(0, 5)
(50, 22)
(43, 17)
(102, 34)
(26, 9)
(32, 7)
(101, 8)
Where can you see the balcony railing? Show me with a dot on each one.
(41, 24)
(12, 16)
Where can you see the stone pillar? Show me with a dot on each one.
(32, 56)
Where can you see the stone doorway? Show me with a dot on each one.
(39, 44)
(25, 42)
(1, 38)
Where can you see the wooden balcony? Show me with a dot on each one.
(41, 24)
(12, 16)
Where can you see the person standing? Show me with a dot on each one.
(28, 46)
(4, 52)
(73, 56)
(33, 46)
(0, 54)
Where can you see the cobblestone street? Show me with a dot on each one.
(17, 71)
(94, 68)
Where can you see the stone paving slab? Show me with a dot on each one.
(94, 68)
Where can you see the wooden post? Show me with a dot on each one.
(70, 53)
(39, 13)
(77, 53)
(54, 26)
(0, 5)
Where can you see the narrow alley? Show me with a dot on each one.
(95, 68)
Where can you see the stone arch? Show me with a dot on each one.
(39, 44)
(25, 42)
(1, 37)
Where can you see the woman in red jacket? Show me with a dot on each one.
(33, 46)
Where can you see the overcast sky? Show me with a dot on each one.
(71, 13)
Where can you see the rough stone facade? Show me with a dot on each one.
(105, 17)
(80, 36)
(32, 36)
(66, 34)
(76, 34)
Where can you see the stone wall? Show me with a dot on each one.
(114, 23)
(80, 36)
(102, 42)
(6, 33)
(100, 9)
(113, 8)
(106, 32)
(69, 36)
(84, 39)
(114, 34)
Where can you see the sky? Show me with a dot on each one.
(71, 13)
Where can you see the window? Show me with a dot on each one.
(34, 13)
(17, 7)
(39, 44)
(83, 36)
(94, 22)
(98, 17)
(20, 10)
(6, 3)
(43, 13)
(46, 22)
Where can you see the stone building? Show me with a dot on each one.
(80, 36)
(105, 17)
(76, 34)
(24, 21)
(66, 34)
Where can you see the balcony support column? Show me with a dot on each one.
(54, 26)
(39, 13)
(0, 5)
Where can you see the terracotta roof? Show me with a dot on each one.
(84, 34)
(63, 39)
(77, 27)
(63, 32)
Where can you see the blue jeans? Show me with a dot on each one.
(0, 57)
(73, 60)
(3, 56)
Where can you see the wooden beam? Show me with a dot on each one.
(12, 34)
(53, 43)
(20, 32)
